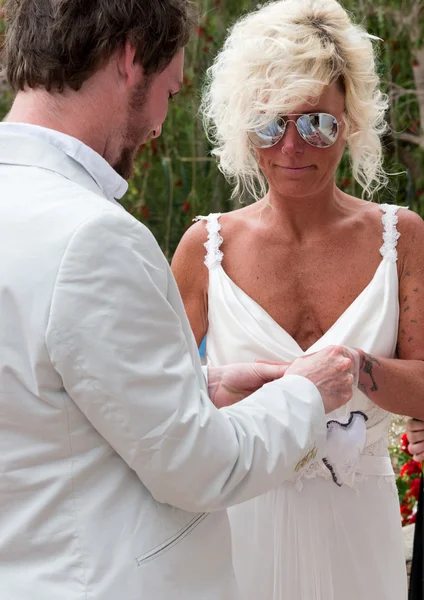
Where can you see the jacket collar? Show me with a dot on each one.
(29, 145)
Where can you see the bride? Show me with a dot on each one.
(304, 267)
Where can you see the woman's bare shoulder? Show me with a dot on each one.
(188, 260)
(231, 224)
(410, 246)
(407, 228)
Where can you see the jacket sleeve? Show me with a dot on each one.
(119, 347)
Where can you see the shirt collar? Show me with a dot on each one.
(110, 183)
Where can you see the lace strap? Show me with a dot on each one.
(214, 255)
(390, 233)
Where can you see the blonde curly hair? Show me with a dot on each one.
(281, 56)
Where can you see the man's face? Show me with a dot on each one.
(146, 112)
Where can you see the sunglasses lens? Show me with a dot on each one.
(269, 135)
(318, 129)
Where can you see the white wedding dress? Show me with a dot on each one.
(310, 539)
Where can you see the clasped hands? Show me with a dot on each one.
(331, 370)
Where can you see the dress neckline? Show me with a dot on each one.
(214, 256)
(266, 314)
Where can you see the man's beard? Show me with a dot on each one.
(126, 163)
(133, 137)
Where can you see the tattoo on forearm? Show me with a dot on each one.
(367, 364)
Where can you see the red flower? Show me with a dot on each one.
(410, 468)
(186, 206)
(187, 82)
(405, 511)
(404, 443)
(145, 213)
(414, 126)
(412, 518)
(179, 183)
(154, 145)
(145, 165)
(346, 182)
(415, 487)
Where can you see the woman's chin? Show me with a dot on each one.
(296, 189)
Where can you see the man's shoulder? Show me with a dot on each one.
(105, 228)
(72, 207)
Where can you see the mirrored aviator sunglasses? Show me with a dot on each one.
(317, 129)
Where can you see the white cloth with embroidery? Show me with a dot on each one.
(310, 539)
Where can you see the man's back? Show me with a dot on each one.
(76, 521)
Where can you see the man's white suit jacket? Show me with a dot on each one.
(115, 467)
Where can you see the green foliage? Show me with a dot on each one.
(176, 179)
(402, 486)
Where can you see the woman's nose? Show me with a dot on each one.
(291, 143)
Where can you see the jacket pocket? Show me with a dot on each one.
(172, 541)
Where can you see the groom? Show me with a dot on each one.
(115, 466)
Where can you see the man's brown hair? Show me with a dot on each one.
(58, 44)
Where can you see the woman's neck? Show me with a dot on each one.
(307, 216)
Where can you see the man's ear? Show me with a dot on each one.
(129, 70)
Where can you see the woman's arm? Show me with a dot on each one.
(397, 385)
(192, 277)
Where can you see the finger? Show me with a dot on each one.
(417, 448)
(270, 372)
(416, 437)
(414, 425)
(268, 362)
(418, 457)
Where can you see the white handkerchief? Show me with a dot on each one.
(345, 443)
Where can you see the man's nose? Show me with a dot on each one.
(156, 132)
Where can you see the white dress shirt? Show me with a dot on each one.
(111, 184)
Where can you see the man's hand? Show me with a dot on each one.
(415, 431)
(331, 370)
(232, 383)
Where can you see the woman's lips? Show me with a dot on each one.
(295, 169)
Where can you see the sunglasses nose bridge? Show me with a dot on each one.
(292, 138)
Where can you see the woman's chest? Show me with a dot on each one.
(305, 295)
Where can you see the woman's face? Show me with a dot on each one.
(293, 167)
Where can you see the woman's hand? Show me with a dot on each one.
(415, 431)
(231, 383)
